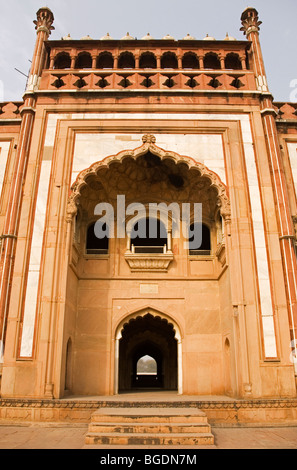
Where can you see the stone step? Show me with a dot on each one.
(146, 428)
(147, 415)
(149, 426)
(149, 439)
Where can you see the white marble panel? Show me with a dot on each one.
(35, 261)
(207, 149)
(4, 151)
(29, 314)
(260, 243)
(269, 336)
(292, 149)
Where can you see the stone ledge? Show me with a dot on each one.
(225, 412)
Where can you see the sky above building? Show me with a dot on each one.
(95, 18)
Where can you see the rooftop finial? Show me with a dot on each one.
(250, 21)
(44, 21)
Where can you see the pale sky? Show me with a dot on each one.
(278, 33)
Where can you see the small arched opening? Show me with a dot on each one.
(169, 61)
(211, 61)
(190, 61)
(199, 239)
(62, 61)
(232, 61)
(147, 369)
(147, 60)
(126, 61)
(227, 367)
(105, 61)
(148, 235)
(153, 336)
(83, 61)
(97, 238)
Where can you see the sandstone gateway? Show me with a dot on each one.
(148, 121)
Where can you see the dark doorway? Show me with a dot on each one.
(148, 336)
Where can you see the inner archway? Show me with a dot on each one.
(153, 336)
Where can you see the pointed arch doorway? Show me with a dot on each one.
(150, 335)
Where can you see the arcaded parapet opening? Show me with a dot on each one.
(105, 61)
(169, 61)
(147, 60)
(126, 61)
(212, 61)
(83, 61)
(190, 61)
(62, 61)
(232, 61)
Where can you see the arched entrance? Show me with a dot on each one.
(147, 175)
(148, 335)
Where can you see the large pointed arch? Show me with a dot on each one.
(149, 145)
(160, 317)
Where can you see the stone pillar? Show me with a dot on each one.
(243, 62)
(116, 364)
(43, 25)
(222, 61)
(158, 61)
(94, 61)
(250, 27)
(73, 59)
(179, 367)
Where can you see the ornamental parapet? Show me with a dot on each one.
(286, 111)
(147, 80)
(11, 110)
(104, 65)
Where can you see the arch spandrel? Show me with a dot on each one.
(149, 145)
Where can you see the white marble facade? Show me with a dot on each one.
(206, 148)
(292, 150)
(4, 154)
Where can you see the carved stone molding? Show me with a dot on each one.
(221, 253)
(84, 405)
(148, 138)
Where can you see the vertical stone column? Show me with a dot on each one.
(250, 27)
(43, 25)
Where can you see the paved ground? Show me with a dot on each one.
(41, 436)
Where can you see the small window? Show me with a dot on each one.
(149, 236)
(205, 248)
(95, 245)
